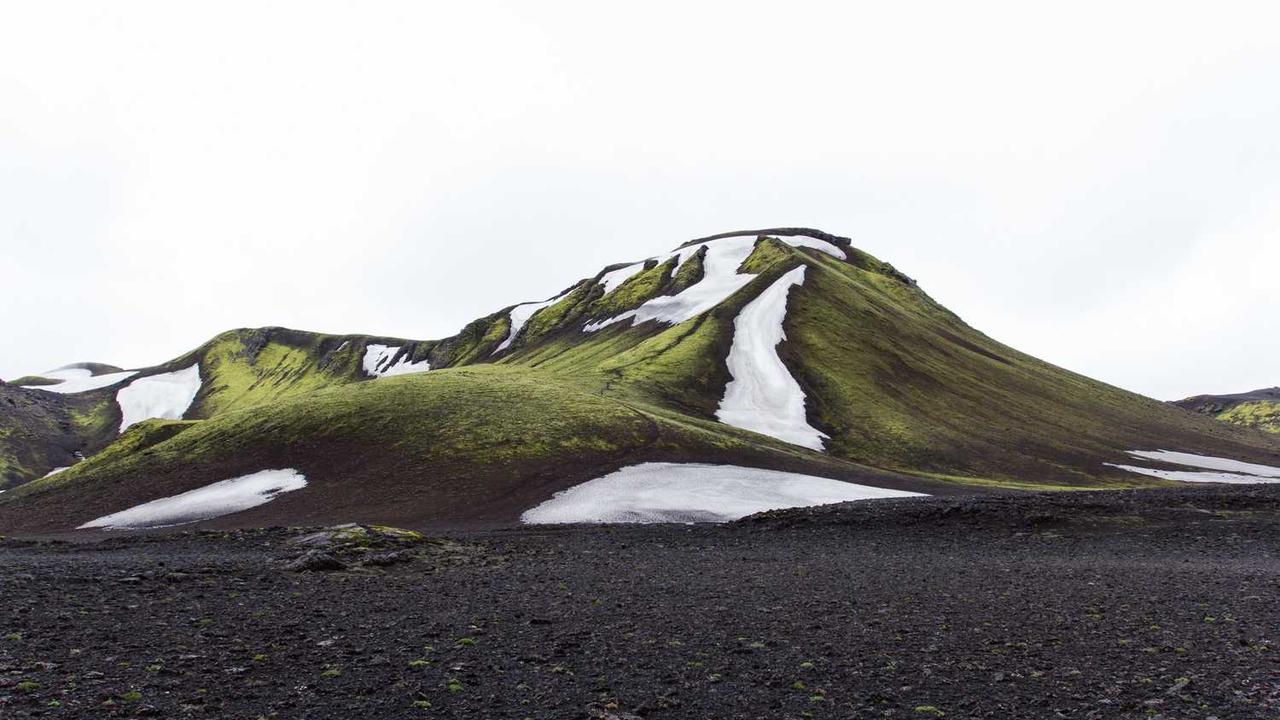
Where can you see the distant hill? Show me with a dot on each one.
(1258, 409)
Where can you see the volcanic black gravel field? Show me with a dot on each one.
(1147, 604)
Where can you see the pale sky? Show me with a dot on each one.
(1095, 184)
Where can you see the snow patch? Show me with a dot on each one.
(167, 396)
(220, 498)
(1207, 462)
(378, 362)
(520, 315)
(1225, 470)
(693, 492)
(763, 396)
(74, 380)
(1196, 476)
(720, 279)
(56, 470)
(614, 278)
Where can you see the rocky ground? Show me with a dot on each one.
(1154, 604)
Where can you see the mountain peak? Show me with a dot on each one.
(779, 348)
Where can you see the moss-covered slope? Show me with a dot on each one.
(474, 445)
(894, 380)
(1259, 410)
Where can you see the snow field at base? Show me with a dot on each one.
(215, 500)
(694, 492)
(1220, 470)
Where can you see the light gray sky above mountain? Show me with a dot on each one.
(1096, 184)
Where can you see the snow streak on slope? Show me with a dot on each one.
(520, 315)
(74, 380)
(614, 278)
(167, 395)
(693, 492)
(1223, 470)
(1197, 476)
(378, 362)
(210, 501)
(720, 279)
(762, 396)
(1207, 462)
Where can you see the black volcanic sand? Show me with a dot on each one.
(1148, 604)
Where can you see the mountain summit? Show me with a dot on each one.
(784, 350)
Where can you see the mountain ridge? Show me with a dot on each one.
(907, 395)
(1257, 409)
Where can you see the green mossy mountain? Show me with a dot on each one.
(1259, 410)
(908, 395)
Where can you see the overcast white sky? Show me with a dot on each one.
(1096, 184)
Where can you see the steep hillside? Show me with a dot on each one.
(49, 418)
(786, 348)
(1259, 409)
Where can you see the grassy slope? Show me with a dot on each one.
(900, 382)
(1260, 414)
(240, 369)
(896, 380)
(478, 443)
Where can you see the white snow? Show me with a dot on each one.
(378, 362)
(720, 279)
(693, 492)
(763, 396)
(74, 380)
(1225, 469)
(210, 501)
(520, 315)
(1196, 476)
(57, 470)
(167, 395)
(1207, 462)
(614, 278)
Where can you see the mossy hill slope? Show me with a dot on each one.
(458, 447)
(41, 430)
(520, 404)
(1259, 409)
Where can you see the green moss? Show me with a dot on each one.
(34, 381)
(766, 254)
(556, 316)
(98, 420)
(690, 273)
(475, 343)
(239, 374)
(635, 290)
(1262, 414)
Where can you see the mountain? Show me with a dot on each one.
(785, 349)
(1259, 409)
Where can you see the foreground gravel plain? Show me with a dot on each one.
(1151, 604)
